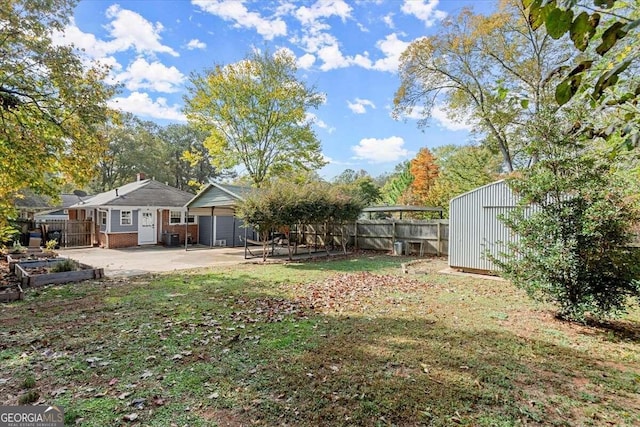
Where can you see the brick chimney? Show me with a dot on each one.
(140, 176)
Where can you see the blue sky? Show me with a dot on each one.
(348, 50)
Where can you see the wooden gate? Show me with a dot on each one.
(69, 233)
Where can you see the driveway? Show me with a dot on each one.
(153, 259)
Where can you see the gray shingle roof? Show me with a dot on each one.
(139, 193)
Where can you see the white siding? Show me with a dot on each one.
(474, 227)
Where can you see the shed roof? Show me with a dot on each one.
(146, 192)
(216, 195)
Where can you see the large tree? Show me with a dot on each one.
(494, 70)
(462, 169)
(189, 162)
(134, 147)
(256, 114)
(51, 103)
(606, 74)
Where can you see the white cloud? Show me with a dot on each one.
(392, 48)
(127, 30)
(130, 30)
(388, 20)
(424, 10)
(142, 105)
(359, 105)
(196, 44)
(310, 16)
(440, 115)
(236, 11)
(306, 61)
(155, 76)
(385, 150)
(312, 118)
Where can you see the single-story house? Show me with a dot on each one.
(39, 207)
(143, 212)
(215, 208)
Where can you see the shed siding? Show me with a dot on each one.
(227, 228)
(213, 196)
(475, 229)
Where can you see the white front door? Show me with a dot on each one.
(147, 227)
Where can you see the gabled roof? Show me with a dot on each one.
(216, 194)
(30, 200)
(139, 193)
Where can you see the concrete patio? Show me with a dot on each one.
(153, 259)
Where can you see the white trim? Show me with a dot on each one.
(122, 211)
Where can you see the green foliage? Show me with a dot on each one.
(7, 234)
(493, 71)
(51, 103)
(29, 397)
(254, 112)
(462, 169)
(62, 266)
(573, 226)
(285, 203)
(17, 248)
(605, 74)
(358, 185)
(397, 185)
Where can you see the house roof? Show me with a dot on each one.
(216, 194)
(139, 193)
(32, 201)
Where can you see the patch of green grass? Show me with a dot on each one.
(237, 346)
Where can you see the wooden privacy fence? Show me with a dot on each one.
(418, 236)
(69, 233)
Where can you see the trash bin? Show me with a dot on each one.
(171, 239)
(397, 247)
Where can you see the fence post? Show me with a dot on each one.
(355, 235)
(439, 243)
(393, 233)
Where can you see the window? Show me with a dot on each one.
(126, 218)
(191, 219)
(175, 217)
(103, 218)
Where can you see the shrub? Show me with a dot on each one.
(574, 228)
(66, 265)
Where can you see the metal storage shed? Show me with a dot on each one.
(474, 227)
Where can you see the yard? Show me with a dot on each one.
(350, 342)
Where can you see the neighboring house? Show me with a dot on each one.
(38, 207)
(215, 207)
(143, 212)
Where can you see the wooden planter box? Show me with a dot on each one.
(86, 272)
(13, 259)
(12, 293)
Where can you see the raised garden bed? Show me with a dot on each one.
(38, 273)
(13, 259)
(11, 293)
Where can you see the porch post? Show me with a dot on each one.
(186, 231)
(213, 233)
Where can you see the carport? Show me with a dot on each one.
(215, 207)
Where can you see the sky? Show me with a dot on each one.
(347, 50)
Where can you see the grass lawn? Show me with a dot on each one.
(341, 343)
